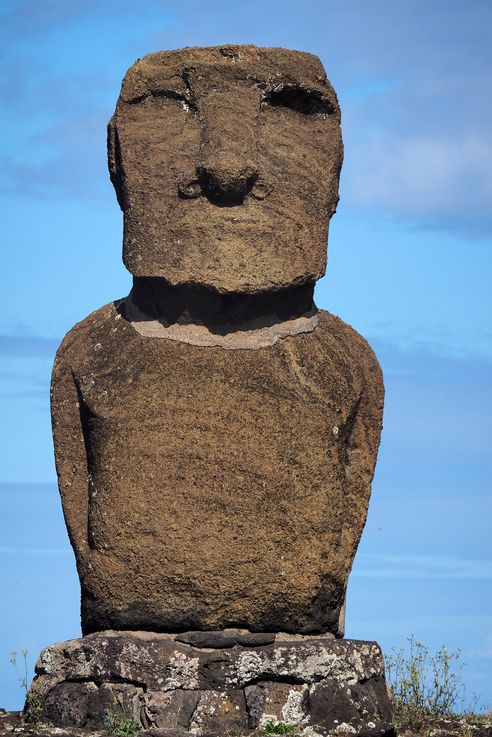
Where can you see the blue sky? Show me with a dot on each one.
(409, 266)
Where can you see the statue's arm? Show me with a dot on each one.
(70, 453)
(361, 448)
(361, 442)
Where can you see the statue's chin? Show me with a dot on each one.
(228, 253)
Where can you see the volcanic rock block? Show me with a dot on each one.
(317, 683)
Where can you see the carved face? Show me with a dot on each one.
(226, 163)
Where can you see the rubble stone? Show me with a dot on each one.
(163, 684)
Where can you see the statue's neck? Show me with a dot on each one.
(202, 316)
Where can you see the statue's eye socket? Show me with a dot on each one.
(187, 104)
(307, 102)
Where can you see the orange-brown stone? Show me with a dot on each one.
(215, 434)
(226, 163)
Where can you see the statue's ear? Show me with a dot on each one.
(115, 165)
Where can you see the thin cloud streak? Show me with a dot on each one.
(421, 566)
(485, 651)
(32, 18)
(27, 346)
(33, 551)
(428, 178)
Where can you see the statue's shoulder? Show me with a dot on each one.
(342, 338)
(80, 340)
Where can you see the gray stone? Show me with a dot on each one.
(254, 639)
(225, 638)
(210, 639)
(255, 700)
(282, 702)
(84, 704)
(363, 706)
(116, 703)
(157, 732)
(163, 664)
(68, 704)
(219, 712)
(317, 683)
(171, 709)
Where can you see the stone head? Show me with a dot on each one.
(226, 162)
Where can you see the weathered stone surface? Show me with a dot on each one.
(164, 664)
(451, 726)
(202, 197)
(215, 639)
(317, 684)
(254, 639)
(365, 706)
(85, 704)
(215, 434)
(68, 704)
(270, 451)
(171, 709)
(219, 712)
(255, 701)
(225, 638)
(156, 732)
(281, 702)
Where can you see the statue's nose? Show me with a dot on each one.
(226, 179)
(227, 167)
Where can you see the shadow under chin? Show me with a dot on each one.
(156, 299)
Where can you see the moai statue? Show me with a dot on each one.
(215, 433)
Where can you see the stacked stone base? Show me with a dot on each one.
(215, 683)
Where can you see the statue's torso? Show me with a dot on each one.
(217, 477)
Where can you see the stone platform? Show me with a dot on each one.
(211, 683)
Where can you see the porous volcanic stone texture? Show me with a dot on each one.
(226, 163)
(225, 638)
(206, 488)
(221, 478)
(317, 684)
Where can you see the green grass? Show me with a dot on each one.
(274, 727)
(120, 724)
(33, 704)
(425, 687)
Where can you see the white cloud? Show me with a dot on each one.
(484, 651)
(431, 177)
(421, 566)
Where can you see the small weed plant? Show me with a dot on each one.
(120, 724)
(425, 687)
(33, 704)
(274, 727)
(20, 669)
(32, 709)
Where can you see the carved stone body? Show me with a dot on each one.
(228, 488)
(215, 434)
